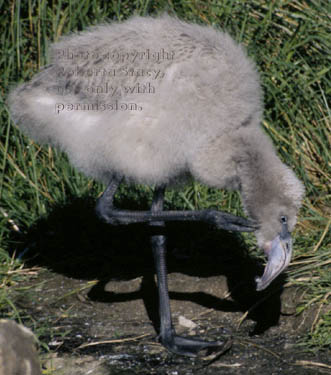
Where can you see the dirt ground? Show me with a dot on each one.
(96, 286)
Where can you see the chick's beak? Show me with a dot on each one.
(279, 256)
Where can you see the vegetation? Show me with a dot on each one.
(290, 42)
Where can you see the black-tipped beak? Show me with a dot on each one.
(279, 257)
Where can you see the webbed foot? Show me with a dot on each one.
(192, 347)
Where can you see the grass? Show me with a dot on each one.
(290, 42)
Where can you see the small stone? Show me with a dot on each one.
(184, 322)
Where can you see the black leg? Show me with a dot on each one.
(167, 336)
(156, 217)
(221, 220)
(158, 242)
(105, 203)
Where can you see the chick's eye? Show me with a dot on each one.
(283, 219)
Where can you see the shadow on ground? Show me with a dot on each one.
(73, 242)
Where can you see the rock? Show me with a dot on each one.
(18, 355)
(184, 322)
